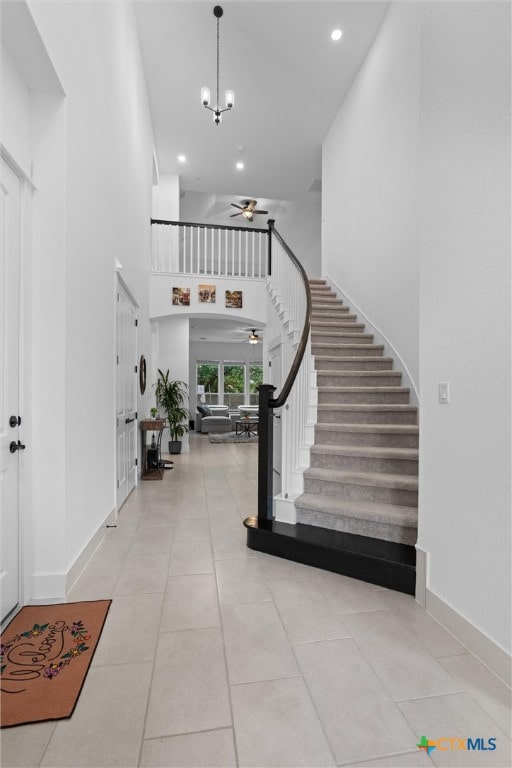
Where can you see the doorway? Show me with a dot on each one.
(126, 394)
(11, 446)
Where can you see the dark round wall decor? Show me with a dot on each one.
(142, 374)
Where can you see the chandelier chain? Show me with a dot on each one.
(218, 66)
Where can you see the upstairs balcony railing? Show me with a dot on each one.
(209, 249)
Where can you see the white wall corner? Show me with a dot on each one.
(496, 658)
(88, 551)
(284, 509)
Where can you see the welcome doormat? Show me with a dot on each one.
(46, 651)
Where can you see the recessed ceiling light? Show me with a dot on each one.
(240, 166)
(182, 159)
(336, 34)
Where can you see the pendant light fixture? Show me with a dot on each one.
(205, 92)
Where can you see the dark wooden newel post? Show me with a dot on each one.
(265, 455)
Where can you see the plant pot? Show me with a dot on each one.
(174, 446)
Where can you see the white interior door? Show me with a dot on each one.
(10, 188)
(126, 395)
(275, 377)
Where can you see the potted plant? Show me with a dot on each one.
(154, 412)
(171, 395)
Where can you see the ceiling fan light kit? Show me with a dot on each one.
(247, 209)
(205, 92)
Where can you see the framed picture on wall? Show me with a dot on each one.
(181, 297)
(206, 294)
(234, 299)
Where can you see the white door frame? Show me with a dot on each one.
(24, 552)
(120, 284)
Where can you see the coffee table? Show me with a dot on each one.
(246, 427)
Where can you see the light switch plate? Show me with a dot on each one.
(444, 392)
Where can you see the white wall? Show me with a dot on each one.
(103, 166)
(172, 354)
(417, 230)
(370, 186)
(253, 297)
(465, 336)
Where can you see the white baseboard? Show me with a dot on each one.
(490, 653)
(88, 551)
(380, 338)
(421, 576)
(51, 587)
(47, 588)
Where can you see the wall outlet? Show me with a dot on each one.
(444, 392)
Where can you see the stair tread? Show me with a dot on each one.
(402, 429)
(348, 347)
(374, 479)
(367, 451)
(392, 514)
(354, 358)
(354, 374)
(379, 389)
(342, 333)
(366, 407)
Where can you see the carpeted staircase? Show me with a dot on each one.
(363, 477)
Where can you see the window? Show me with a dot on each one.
(255, 379)
(234, 384)
(208, 377)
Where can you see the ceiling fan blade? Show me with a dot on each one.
(235, 214)
(252, 205)
(260, 211)
(236, 206)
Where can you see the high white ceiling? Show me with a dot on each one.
(289, 79)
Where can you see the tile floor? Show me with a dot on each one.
(215, 655)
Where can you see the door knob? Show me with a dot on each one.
(16, 446)
(14, 421)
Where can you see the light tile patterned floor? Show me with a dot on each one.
(215, 655)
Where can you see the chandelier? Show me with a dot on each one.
(205, 92)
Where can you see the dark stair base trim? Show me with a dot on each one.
(385, 563)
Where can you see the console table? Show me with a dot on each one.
(151, 461)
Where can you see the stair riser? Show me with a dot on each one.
(396, 533)
(367, 417)
(368, 398)
(339, 337)
(369, 350)
(364, 464)
(335, 325)
(321, 310)
(322, 295)
(367, 363)
(361, 492)
(373, 439)
(339, 380)
(333, 317)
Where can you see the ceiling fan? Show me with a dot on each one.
(253, 335)
(247, 209)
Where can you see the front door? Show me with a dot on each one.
(126, 395)
(10, 445)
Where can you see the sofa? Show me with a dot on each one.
(213, 418)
